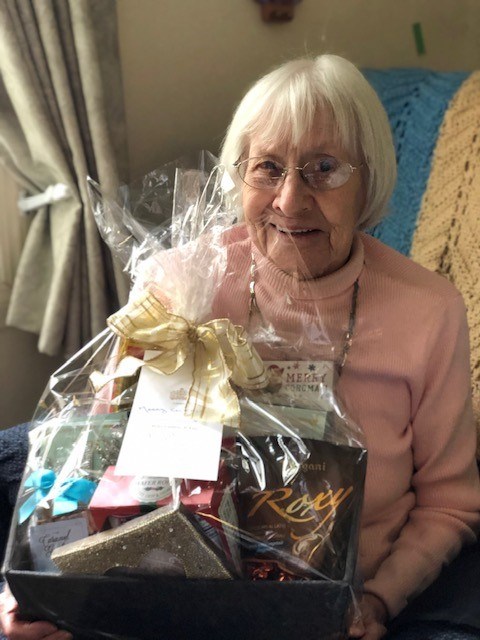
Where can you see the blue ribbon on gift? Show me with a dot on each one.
(71, 493)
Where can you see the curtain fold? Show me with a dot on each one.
(13, 230)
(61, 119)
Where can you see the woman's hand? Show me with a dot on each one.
(16, 629)
(370, 625)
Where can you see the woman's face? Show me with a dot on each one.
(305, 232)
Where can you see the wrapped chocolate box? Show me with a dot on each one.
(299, 521)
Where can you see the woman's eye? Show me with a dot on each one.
(267, 166)
(326, 165)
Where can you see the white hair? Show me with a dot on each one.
(282, 106)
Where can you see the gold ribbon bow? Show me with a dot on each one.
(221, 353)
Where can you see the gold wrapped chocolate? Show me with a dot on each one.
(167, 528)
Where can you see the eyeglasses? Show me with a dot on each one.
(321, 174)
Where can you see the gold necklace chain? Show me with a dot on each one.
(348, 337)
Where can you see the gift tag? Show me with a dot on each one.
(303, 381)
(159, 440)
(44, 538)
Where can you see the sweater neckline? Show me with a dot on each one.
(272, 277)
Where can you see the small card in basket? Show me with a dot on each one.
(160, 441)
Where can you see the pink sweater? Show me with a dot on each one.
(406, 383)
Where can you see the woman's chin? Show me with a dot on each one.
(302, 255)
(298, 266)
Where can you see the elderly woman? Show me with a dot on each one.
(312, 146)
(312, 155)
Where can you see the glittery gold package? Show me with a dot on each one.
(169, 529)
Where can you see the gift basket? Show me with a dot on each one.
(185, 468)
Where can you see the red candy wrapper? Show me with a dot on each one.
(125, 497)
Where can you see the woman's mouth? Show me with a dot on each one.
(296, 232)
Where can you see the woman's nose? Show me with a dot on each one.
(293, 197)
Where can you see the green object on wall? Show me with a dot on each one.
(419, 41)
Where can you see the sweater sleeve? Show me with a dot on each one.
(446, 514)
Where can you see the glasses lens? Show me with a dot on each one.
(261, 173)
(326, 173)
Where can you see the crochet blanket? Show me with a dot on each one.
(435, 210)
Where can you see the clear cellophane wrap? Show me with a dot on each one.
(286, 503)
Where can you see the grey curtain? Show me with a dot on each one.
(61, 119)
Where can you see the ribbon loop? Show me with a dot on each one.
(41, 481)
(73, 493)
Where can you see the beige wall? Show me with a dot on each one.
(186, 63)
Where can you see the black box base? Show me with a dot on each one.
(146, 607)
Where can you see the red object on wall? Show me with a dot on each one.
(277, 10)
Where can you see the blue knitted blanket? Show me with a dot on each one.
(416, 101)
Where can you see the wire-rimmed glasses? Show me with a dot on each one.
(322, 173)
